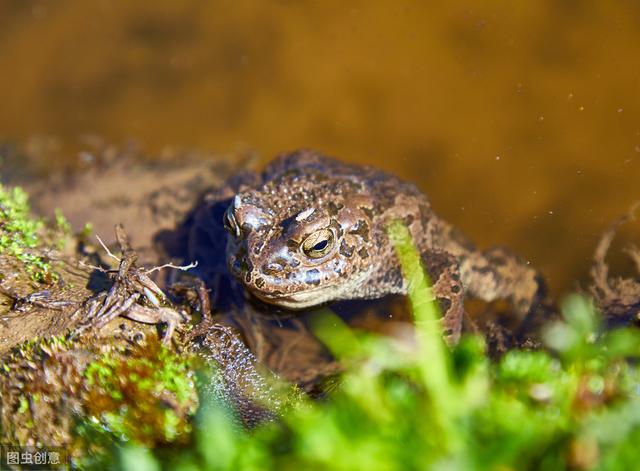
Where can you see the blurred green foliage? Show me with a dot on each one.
(414, 404)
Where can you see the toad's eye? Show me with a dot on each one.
(318, 244)
(230, 223)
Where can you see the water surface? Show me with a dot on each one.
(521, 120)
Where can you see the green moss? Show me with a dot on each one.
(61, 222)
(86, 231)
(31, 355)
(23, 407)
(19, 233)
(63, 228)
(146, 395)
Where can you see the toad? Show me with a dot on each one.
(311, 230)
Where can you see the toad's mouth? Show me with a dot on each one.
(300, 299)
(313, 296)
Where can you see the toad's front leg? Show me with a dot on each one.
(447, 289)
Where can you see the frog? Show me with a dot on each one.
(311, 229)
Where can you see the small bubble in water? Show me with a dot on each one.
(497, 157)
(551, 212)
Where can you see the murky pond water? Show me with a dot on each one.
(521, 120)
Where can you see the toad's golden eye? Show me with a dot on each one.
(318, 244)
(230, 223)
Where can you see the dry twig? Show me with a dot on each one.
(133, 294)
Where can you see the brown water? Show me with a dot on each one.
(521, 120)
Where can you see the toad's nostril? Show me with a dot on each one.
(272, 268)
